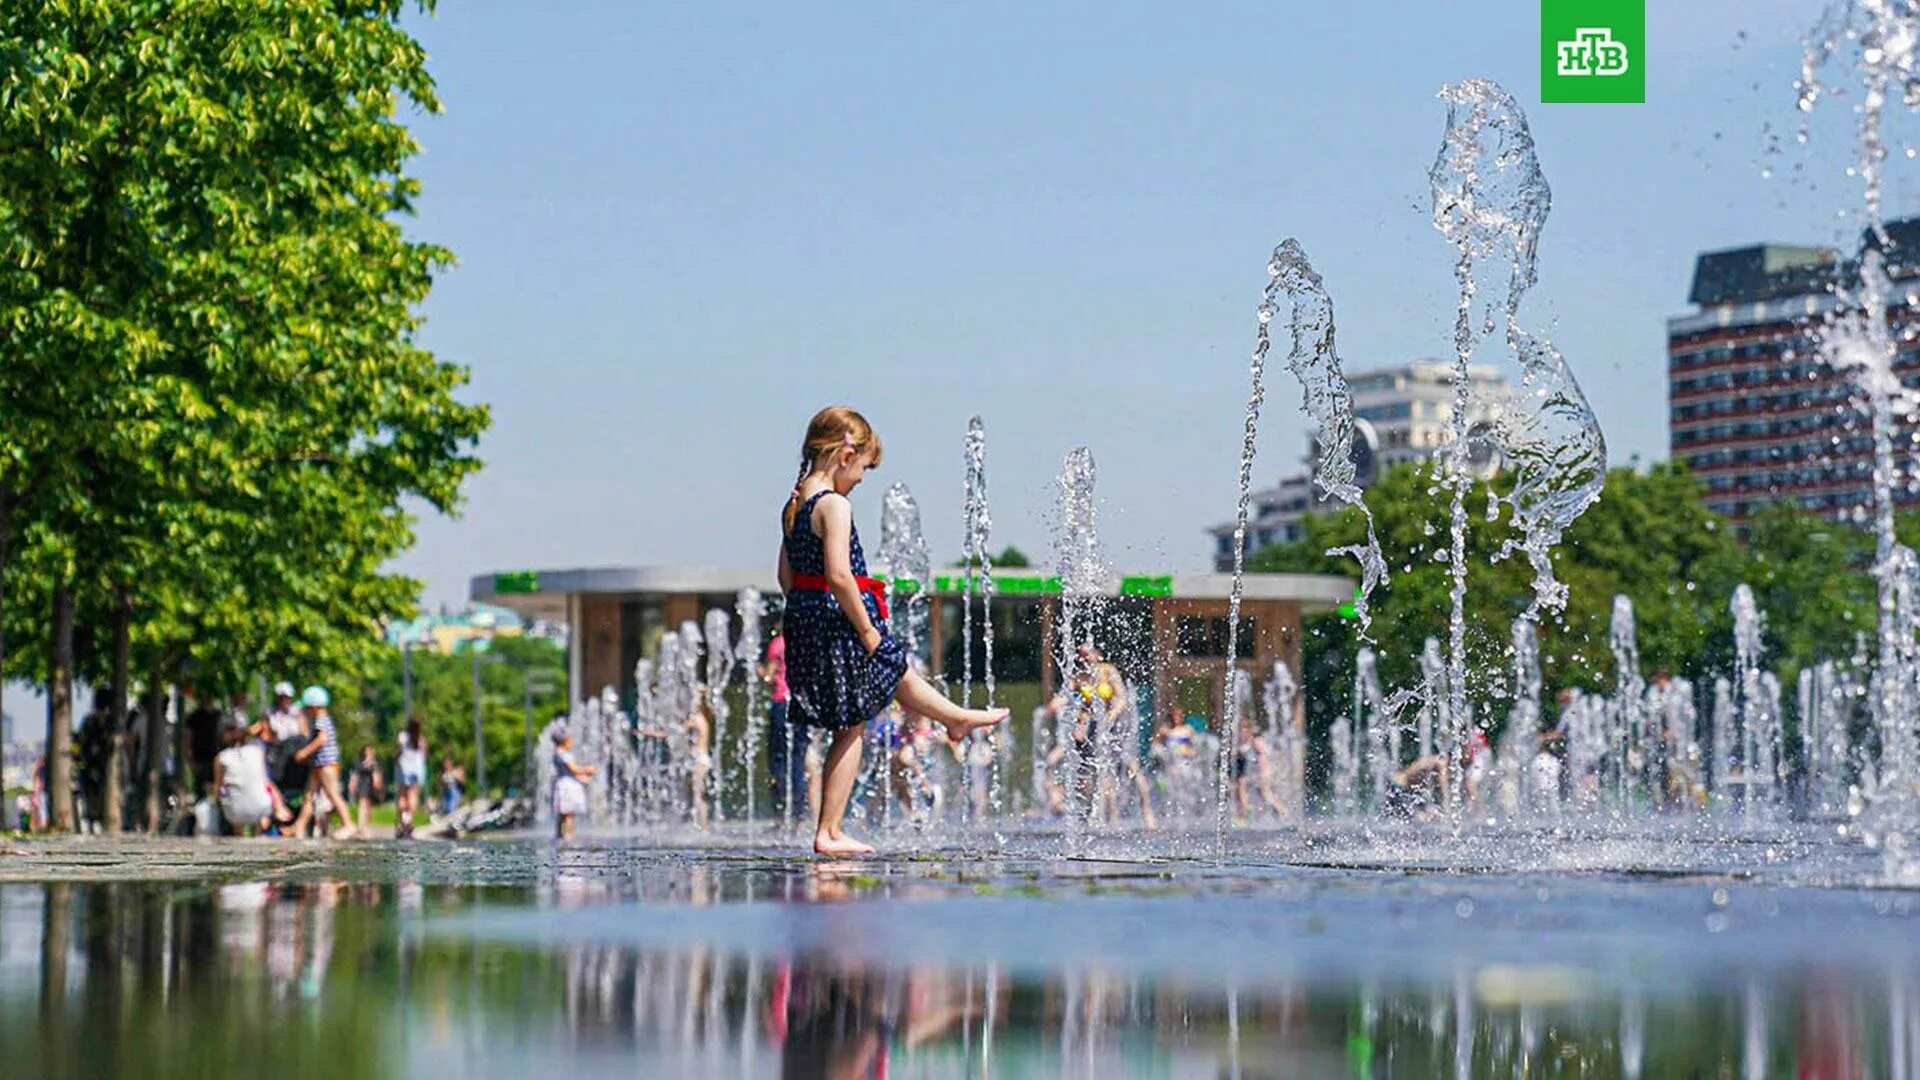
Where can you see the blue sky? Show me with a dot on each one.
(682, 228)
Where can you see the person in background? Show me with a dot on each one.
(411, 765)
(453, 782)
(240, 781)
(323, 751)
(283, 721)
(699, 729)
(96, 752)
(39, 821)
(203, 741)
(364, 787)
(787, 744)
(569, 785)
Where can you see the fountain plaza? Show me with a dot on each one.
(1163, 866)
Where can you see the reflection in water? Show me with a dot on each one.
(290, 978)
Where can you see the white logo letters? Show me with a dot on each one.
(1592, 52)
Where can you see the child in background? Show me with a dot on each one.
(411, 764)
(364, 786)
(569, 785)
(699, 729)
(240, 782)
(453, 783)
(842, 666)
(323, 750)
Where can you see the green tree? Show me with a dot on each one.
(1650, 538)
(1009, 556)
(215, 409)
(370, 709)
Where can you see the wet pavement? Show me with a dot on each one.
(734, 957)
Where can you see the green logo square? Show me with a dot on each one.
(1593, 50)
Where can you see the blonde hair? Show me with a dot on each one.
(834, 428)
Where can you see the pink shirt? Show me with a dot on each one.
(777, 660)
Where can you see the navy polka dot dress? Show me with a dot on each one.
(833, 683)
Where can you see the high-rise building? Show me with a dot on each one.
(1753, 409)
(1401, 414)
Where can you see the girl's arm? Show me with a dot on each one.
(219, 775)
(319, 740)
(785, 573)
(836, 531)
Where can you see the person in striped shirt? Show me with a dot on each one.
(323, 753)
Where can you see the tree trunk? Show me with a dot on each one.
(114, 815)
(6, 541)
(60, 712)
(156, 750)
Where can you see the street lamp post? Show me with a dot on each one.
(479, 728)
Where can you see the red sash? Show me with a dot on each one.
(873, 587)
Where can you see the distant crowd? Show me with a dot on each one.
(280, 773)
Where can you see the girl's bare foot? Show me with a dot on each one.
(839, 845)
(973, 720)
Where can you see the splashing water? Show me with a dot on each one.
(1378, 725)
(977, 557)
(1752, 713)
(749, 606)
(1879, 39)
(903, 551)
(1249, 441)
(1327, 401)
(1627, 733)
(1521, 741)
(1286, 745)
(1084, 578)
(719, 672)
(1490, 200)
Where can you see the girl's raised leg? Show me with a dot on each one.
(837, 776)
(917, 696)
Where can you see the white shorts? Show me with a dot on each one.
(242, 812)
(569, 796)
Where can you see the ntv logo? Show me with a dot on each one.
(1592, 52)
(1580, 39)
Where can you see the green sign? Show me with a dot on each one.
(1022, 585)
(1593, 50)
(1026, 586)
(516, 581)
(1351, 611)
(1146, 585)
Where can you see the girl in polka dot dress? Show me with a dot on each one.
(842, 665)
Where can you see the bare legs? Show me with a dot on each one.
(837, 776)
(408, 800)
(328, 779)
(697, 793)
(917, 696)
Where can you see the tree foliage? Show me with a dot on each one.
(1650, 538)
(215, 409)
(370, 709)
